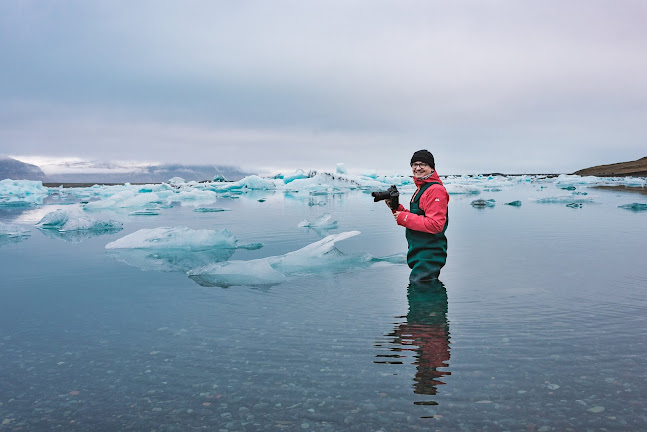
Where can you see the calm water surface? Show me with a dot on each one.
(537, 324)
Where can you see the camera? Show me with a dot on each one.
(390, 194)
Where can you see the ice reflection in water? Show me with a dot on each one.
(424, 335)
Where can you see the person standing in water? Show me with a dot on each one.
(426, 220)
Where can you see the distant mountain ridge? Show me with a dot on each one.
(17, 170)
(637, 168)
(112, 173)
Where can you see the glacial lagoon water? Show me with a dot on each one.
(538, 322)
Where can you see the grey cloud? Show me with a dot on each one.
(554, 78)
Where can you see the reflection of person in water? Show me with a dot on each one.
(426, 333)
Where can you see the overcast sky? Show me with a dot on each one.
(504, 85)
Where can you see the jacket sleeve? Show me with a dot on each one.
(434, 203)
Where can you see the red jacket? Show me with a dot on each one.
(434, 203)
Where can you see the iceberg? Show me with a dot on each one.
(145, 212)
(258, 272)
(21, 193)
(372, 174)
(74, 220)
(176, 238)
(12, 234)
(252, 182)
(148, 196)
(564, 199)
(514, 203)
(315, 257)
(175, 249)
(637, 207)
(210, 210)
(341, 169)
(298, 174)
(481, 203)
(192, 197)
(322, 222)
(176, 181)
(125, 199)
(457, 189)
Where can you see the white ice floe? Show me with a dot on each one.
(17, 193)
(176, 238)
(74, 220)
(564, 199)
(298, 174)
(299, 183)
(175, 248)
(10, 233)
(576, 180)
(322, 222)
(316, 257)
(456, 189)
(125, 199)
(10, 230)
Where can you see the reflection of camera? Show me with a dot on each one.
(390, 194)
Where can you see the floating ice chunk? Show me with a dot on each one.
(176, 238)
(319, 256)
(10, 230)
(325, 183)
(272, 270)
(637, 207)
(634, 181)
(257, 272)
(125, 199)
(193, 197)
(145, 212)
(19, 193)
(175, 248)
(563, 199)
(483, 203)
(341, 169)
(219, 179)
(10, 233)
(456, 189)
(322, 222)
(565, 180)
(176, 181)
(210, 210)
(370, 174)
(298, 174)
(74, 220)
(169, 260)
(253, 182)
(514, 203)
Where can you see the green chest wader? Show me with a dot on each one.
(427, 252)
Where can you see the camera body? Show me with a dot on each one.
(392, 194)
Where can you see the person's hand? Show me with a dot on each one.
(396, 214)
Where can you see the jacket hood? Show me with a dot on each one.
(432, 178)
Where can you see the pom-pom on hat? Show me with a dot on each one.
(423, 156)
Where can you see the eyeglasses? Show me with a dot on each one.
(419, 165)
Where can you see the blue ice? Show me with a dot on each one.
(175, 249)
(322, 255)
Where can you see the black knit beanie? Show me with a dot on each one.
(423, 156)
